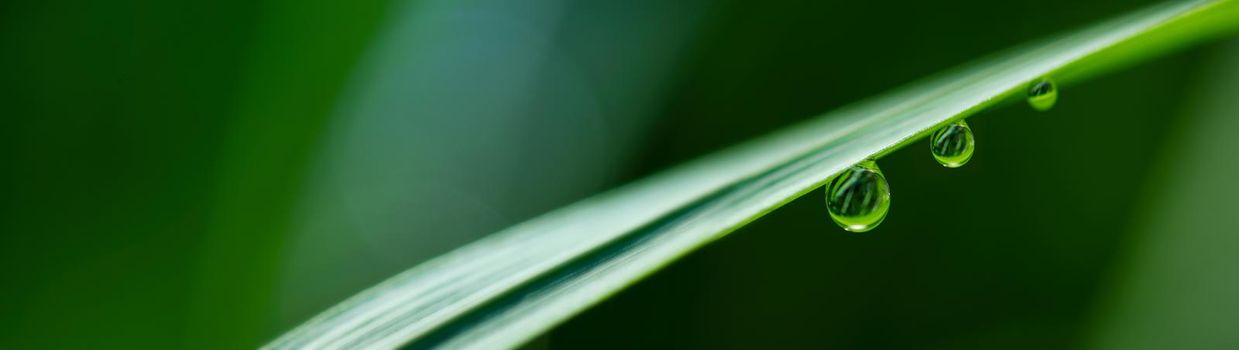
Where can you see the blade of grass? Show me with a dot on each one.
(515, 284)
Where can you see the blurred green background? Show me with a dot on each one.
(185, 174)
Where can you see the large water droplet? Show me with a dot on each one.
(1042, 94)
(952, 145)
(859, 197)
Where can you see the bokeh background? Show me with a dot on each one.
(187, 174)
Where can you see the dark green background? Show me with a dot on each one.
(171, 168)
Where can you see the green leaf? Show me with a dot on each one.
(513, 285)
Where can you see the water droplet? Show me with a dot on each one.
(1042, 95)
(859, 197)
(952, 145)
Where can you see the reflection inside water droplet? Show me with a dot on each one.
(952, 145)
(859, 197)
(1042, 95)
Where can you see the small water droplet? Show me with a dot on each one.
(952, 145)
(1042, 94)
(859, 197)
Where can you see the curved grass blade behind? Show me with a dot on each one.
(507, 288)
